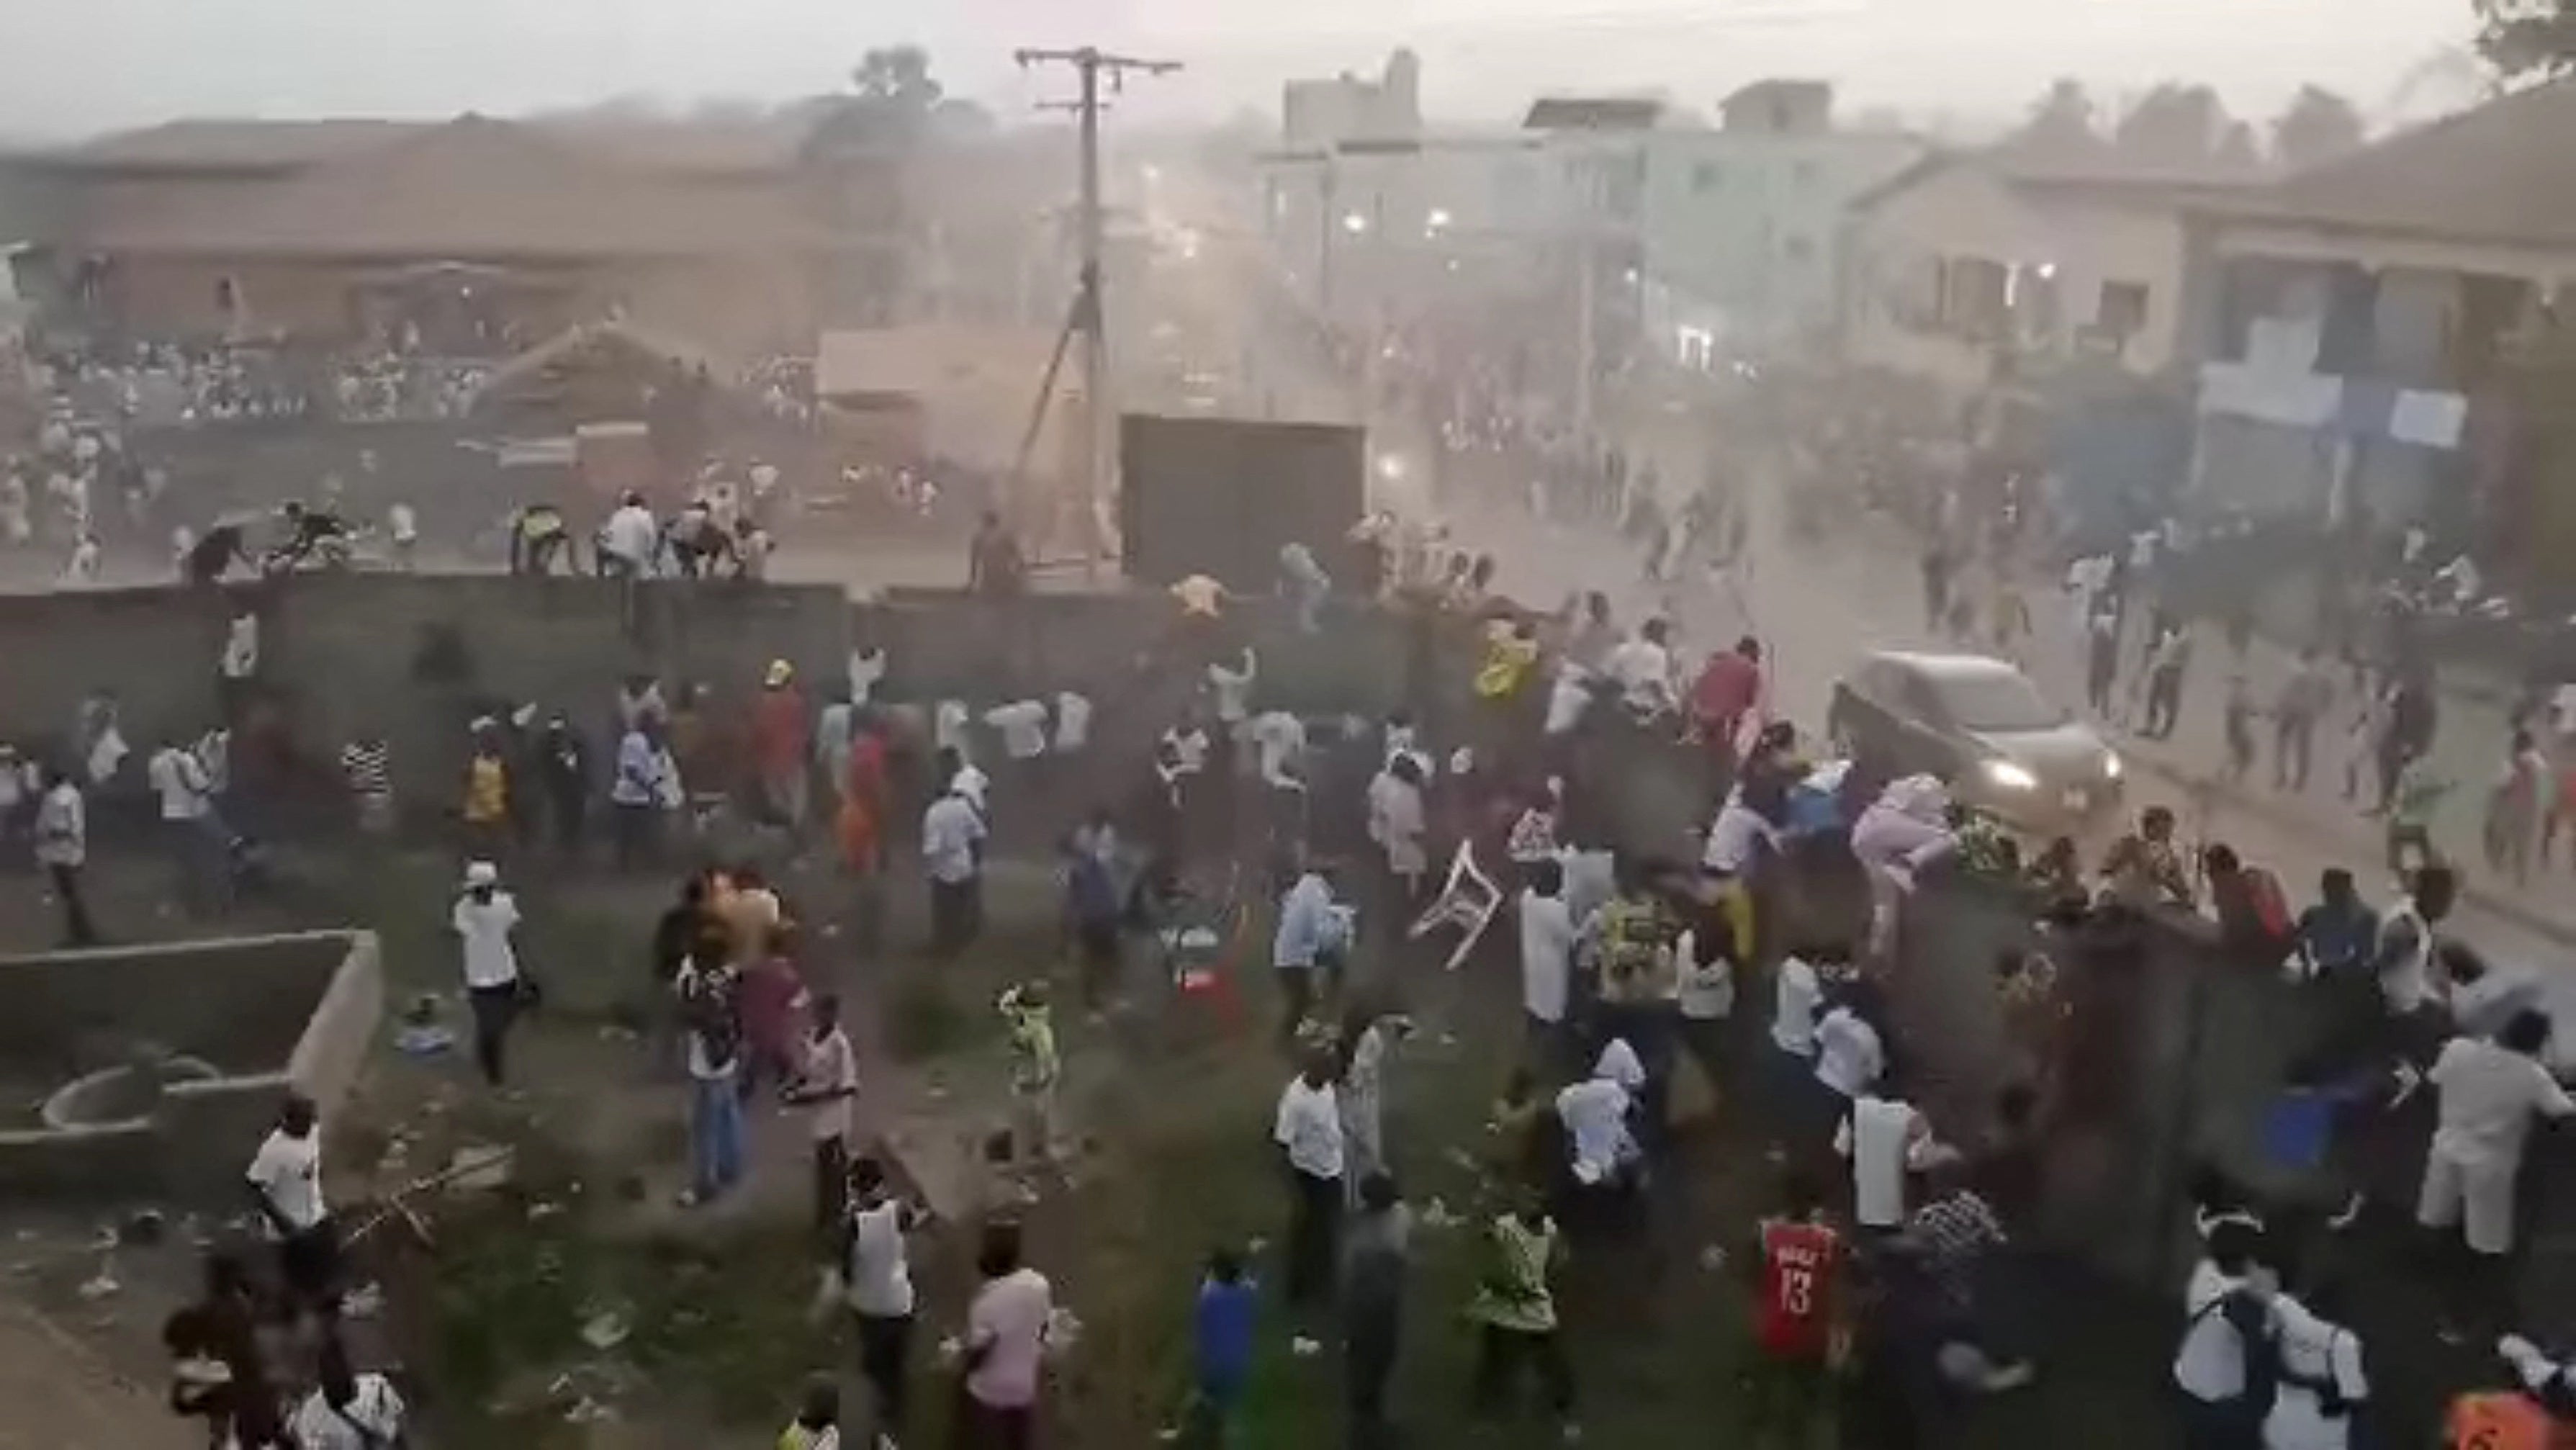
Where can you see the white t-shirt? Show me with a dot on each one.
(2489, 1095)
(1010, 1314)
(1547, 955)
(1878, 1138)
(1595, 1114)
(2406, 982)
(1395, 822)
(375, 1408)
(949, 831)
(1233, 691)
(971, 782)
(1731, 838)
(831, 1065)
(1278, 737)
(289, 1171)
(631, 534)
(1567, 698)
(180, 782)
(880, 1262)
(866, 668)
(240, 659)
(1072, 722)
(1310, 1129)
(1189, 749)
(1849, 1056)
(1022, 724)
(1643, 671)
(2210, 1364)
(1705, 992)
(490, 960)
(2312, 1349)
(948, 728)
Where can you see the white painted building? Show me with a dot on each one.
(1971, 270)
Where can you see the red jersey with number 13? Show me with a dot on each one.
(1798, 1262)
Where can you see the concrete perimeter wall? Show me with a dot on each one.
(269, 1012)
(416, 655)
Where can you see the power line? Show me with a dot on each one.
(1090, 312)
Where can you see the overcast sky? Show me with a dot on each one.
(71, 66)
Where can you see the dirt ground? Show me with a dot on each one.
(578, 1306)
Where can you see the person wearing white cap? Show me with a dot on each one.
(483, 919)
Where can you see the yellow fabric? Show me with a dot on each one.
(487, 790)
(1514, 1294)
(1508, 659)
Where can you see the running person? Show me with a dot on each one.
(1793, 1328)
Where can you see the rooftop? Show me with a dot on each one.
(2504, 172)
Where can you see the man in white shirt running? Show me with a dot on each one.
(952, 841)
(198, 841)
(483, 919)
(877, 1276)
(1309, 1135)
(285, 1182)
(2488, 1094)
(1547, 954)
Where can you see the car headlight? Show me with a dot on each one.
(2111, 766)
(2010, 776)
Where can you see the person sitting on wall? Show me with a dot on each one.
(311, 533)
(538, 538)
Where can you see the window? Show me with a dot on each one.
(1974, 300)
(2001, 700)
(1707, 176)
(2122, 311)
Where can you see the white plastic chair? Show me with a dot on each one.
(1467, 900)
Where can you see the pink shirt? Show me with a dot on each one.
(770, 994)
(1010, 1314)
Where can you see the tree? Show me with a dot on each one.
(2061, 122)
(2173, 124)
(2316, 127)
(2527, 37)
(895, 96)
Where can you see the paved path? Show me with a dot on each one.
(61, 1396)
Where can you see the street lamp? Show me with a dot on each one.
(1354, 223)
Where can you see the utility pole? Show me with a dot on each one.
(1090, 312)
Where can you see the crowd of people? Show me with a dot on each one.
(1896, 1265)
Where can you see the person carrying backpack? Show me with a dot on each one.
(2220, 1368)
(2320, 1389)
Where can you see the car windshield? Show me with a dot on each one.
(1998, 701)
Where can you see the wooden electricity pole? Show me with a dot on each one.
(1100, 465)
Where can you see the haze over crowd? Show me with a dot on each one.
(70, 69)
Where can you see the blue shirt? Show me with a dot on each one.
(2339, 938)
(1221, 1330)
(1308, 926)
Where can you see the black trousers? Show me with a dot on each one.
(885, 1349)
(1501, 1352)
(956, 911)
(637, 829)
(831, 1182)
(1369, 1362)
(2293, 746)
(495, 1008)
(78, 931)
(1314, 1232)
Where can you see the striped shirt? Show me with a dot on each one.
(365, 765)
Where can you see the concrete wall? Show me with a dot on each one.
(2172, 1056)
(352, 651)
(268, 1012)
